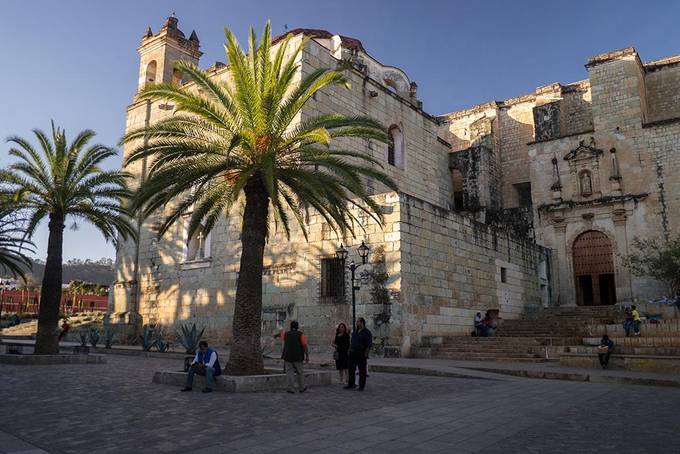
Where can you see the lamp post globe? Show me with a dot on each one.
(363, 252)
(342, 253)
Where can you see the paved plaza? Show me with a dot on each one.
(114, 407)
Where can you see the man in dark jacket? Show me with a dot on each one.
(360, 345)
(294, 352)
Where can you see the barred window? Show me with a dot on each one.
(332, 278)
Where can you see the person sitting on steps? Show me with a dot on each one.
(636, 321)
(604, 350)
(478, 324)
(205, 363)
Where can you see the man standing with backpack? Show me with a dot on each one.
(294, 352)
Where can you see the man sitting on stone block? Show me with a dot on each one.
(205, 363)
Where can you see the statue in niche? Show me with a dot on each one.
(556, 183)
(586, 183)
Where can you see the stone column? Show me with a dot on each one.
(566, 284)
(624, 290)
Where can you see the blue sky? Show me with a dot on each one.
(75, 60)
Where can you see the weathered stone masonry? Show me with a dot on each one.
(493, 202)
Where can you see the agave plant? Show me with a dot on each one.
(190, 337)
(161, 343)
(94, 337)
(109, 336)
(148, 338)
(83, 336)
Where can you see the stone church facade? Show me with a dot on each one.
(493, 203)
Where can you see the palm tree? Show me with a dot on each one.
(13, 245)
(240, 140)
(63, 180)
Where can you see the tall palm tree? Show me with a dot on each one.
(13, 245)
(58, 181)
(240, 140)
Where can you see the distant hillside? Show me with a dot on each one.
(98, 272)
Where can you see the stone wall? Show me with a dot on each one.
(453, 267)
(662, 86)
(424, 172)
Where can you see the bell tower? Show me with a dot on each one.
(159, 52)
(136, 260)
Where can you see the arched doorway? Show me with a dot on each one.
(594, 269)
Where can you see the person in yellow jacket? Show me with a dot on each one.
(636, 321)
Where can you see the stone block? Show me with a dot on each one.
(274, 380)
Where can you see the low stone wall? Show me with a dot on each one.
(646, 363)
(273, 381)
(44, 360)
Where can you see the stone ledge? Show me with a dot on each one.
(645, 363)
(44, 360)
(275, 381)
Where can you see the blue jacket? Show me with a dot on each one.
(204, 358)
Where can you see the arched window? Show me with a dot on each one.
(177, 76)
(150, 73)
(395, 146)
(586, 183)
(392, 85)
(198, 246)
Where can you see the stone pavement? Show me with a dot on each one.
(490, 369)
(114, 407)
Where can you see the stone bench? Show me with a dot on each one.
(275, 380)
(45, 360)
(15, 348)
(647, 363)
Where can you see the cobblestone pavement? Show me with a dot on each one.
(114, 407)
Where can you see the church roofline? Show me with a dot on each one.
(347, 42)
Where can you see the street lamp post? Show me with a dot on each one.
(342, 254)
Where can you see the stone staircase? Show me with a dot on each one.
(657, 349)
(539, 336)
(570, 335)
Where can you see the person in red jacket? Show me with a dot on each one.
(65, 327)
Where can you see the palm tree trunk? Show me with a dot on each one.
(246, 356)
(46, 342)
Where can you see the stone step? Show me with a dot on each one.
(542, 334)
(618, 349)
(665, 328)
(512, 341)
(647, 363)
(492, 358)
(484, 357)
(641, 341)
(491, 351)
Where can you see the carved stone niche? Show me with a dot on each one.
(584, 167)
(547, 121)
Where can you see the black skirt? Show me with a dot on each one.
(342, 347)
